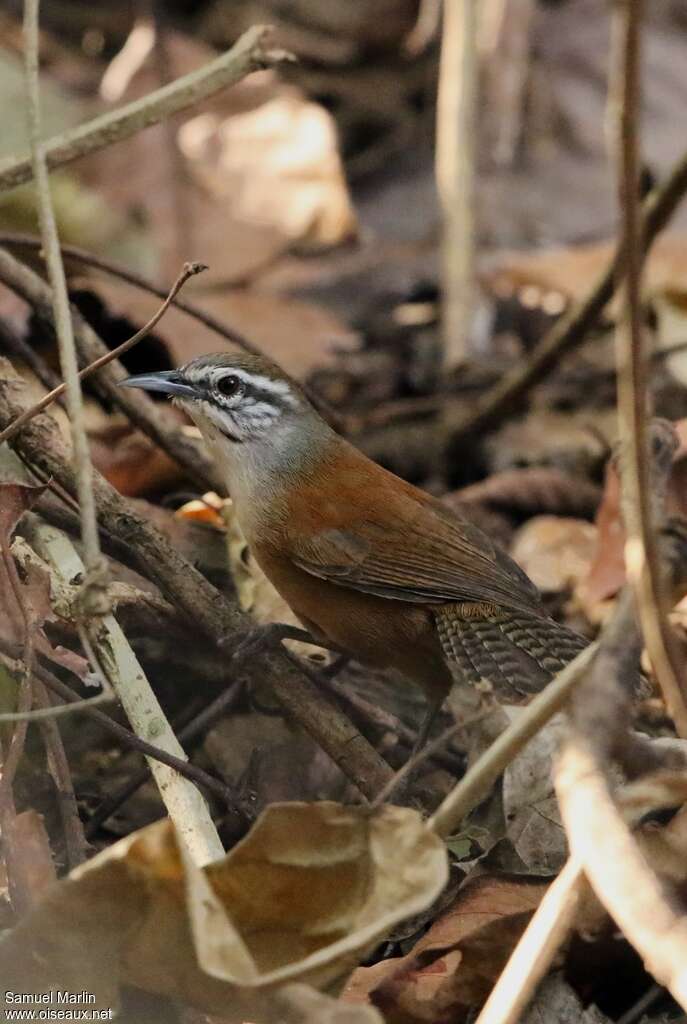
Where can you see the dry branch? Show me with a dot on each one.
(477, 782)
(60, 301)
(118, 664)
(12, 240)
(248, 54)
(617, 870)
(601, 713)
(641, 551)
(455, 170)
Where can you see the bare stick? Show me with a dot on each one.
(13, 240)
(118, 663)
(127, 738)
(536, 949)
(427, 752)
(455, 160)
(641, 554)
(189, 270)
(230, 334)
(572, 329)
(247, 55)
(477, 782)
(617, 870)
(601, 712)
(58, 766)
(198, 725)
(60, 300)
(554, 917)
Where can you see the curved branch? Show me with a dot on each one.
(248, 54)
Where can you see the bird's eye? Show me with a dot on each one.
(228, 386)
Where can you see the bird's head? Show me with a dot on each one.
(248, 410)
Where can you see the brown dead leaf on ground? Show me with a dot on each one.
(572, 271)
(250, 750)
(530, 807)
(536, 489)
(277, 165)
(131, 462)
(555, 551)
(309, 891)
(453, 967)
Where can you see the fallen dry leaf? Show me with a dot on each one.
(277, 165)
(453, 967)
(309, 891)
(249, 751)
(207, 509)
(554, 551)
(131, 462)
(572, 271)
(309, 337)
(530, 807)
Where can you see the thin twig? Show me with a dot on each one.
(429, 751)
(601, 712)
(195, 728)
(247, 55)
(641, 553)
(536, 949)
(381, 719)
(617, 870)
(14, 344)
(15, 747)
(60, 300)
(74, 839)
(455, 171)
(13, 240)
(125, 736)
(109, 650)
(472, 789)
(189, 269)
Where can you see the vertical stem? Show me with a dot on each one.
(60, 299)
(641, 554)
(455, 170)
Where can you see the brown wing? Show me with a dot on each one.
(418, 551)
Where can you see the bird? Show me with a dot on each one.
(370, 564)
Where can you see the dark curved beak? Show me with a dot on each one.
(169, 382)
